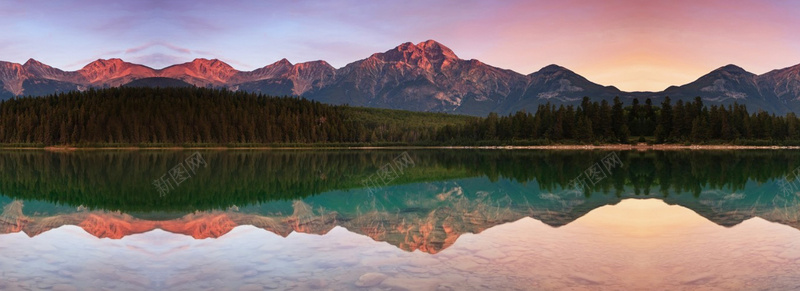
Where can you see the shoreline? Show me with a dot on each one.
(639, 147)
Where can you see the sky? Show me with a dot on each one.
(634, 45)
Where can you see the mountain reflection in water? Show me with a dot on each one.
(637, 244)
(455, 220)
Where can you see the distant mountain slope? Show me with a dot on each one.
(556, 84)
(426, 76)
(730, 84)
(284, 78)
(784, 84)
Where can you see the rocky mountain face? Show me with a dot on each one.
(726, 83)
(285, 78)
(112, 73)
(783, 84)
(426, 76)
(557, 85)
(731, 83)
(200, 72)
(12, 76)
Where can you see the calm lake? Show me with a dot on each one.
(399, 220)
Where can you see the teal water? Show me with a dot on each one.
(395, 220)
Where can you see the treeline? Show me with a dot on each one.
(593, 122)
(202, 116)
(122, 180)
(169, 116)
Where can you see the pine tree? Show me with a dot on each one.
(618, 122)
(792, 127)
(491, 126)
(664, 127)
(650, 119)
(583, 129)
(606, 129)
(699, 130)
(677, 132)
(634, 120)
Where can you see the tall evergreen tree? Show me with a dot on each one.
(650, 119)
(634, 118)
(664, 127)
(618, 122)
(606, 129)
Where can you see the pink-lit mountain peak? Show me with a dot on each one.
(410, 53)
(38, 69)
(433, 48)
(210, 63)
(200, 70)
(283, 62)
(105, 63)
(208, 67)
(313, 66)
(114, 72)
(280, 67)
(428, 56)
(285, 68)
(31, 63)
(115, 65)
(273, 70)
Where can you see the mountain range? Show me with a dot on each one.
(427, 76)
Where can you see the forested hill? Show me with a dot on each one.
(183, 116)
(130, 116)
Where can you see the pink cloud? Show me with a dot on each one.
(158, 44)
(158, 60)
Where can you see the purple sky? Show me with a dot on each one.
(635, 45)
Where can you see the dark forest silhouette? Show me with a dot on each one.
(200, 116)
